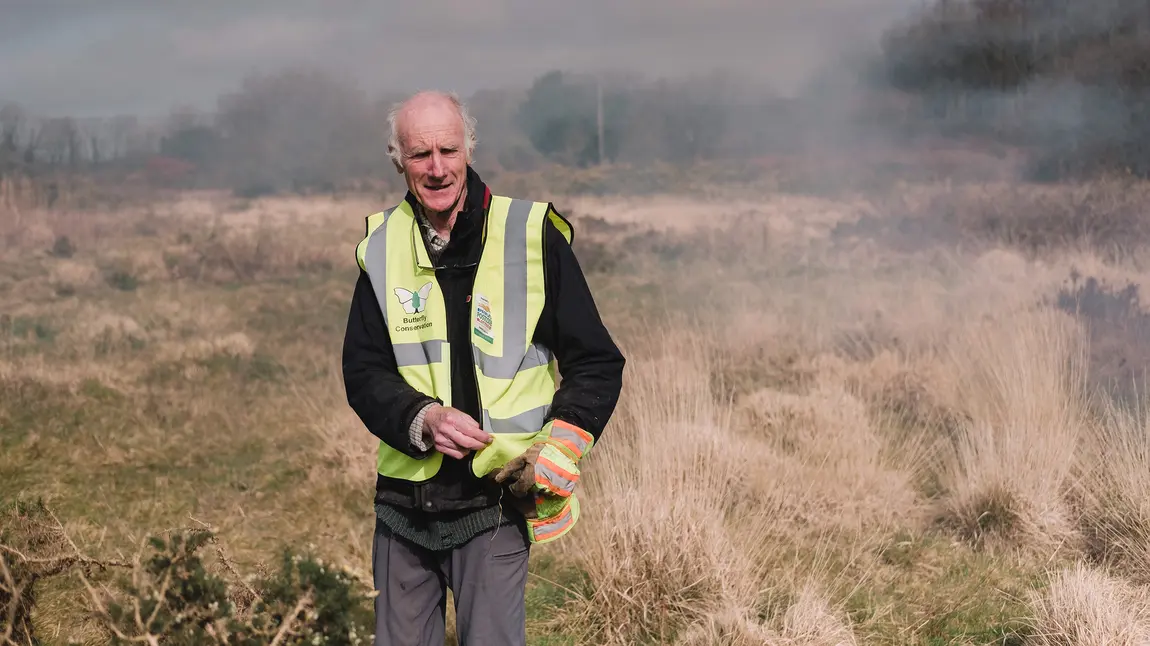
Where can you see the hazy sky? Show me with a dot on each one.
(99, 57)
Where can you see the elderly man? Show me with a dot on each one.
(467, 307)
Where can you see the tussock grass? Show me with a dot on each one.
(699, 519)
(1007, 473)
(655, 542)
(832, 469)
(1112, 492)
(812, 620)
(1085, 607)
(809, 621)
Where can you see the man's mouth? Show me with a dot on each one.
(437, 189)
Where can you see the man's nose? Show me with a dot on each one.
(437, 168)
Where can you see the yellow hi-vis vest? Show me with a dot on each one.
(516, 378)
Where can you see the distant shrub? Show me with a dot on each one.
(255, 190)
(1118, 328)
(123, 281)
(63, 247)
(1106, 217)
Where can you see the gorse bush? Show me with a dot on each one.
(32, 548)
(172, 596)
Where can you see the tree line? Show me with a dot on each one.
(305, 130)
(1065, 79)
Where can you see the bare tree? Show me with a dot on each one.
(32, 142)
(299, 130)
(121, 130)
(61, 141)
(11, 119)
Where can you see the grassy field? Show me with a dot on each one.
(905, 416)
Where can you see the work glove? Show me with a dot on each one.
(542, 468)
(542, 480)
(520, 471)
(549, 466)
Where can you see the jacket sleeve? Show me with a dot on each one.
(590, 363)
(382, 399)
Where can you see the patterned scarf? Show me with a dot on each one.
(435, 244)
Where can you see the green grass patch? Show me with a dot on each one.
(27, 328)
(931, 591)
(551, 584)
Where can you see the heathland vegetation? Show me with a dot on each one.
(883, 392)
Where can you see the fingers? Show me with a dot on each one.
(509, 469)
(525, 481)
(470, 429)
(464, 441)
(449, 450)
(455, 432)
(523, 485)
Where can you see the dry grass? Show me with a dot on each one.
(1085, 607)
(655, 541)
(1112, 493)
(809, 621)
(1007, 472)
(825, 437)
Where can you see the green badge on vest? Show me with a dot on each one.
(483, 319)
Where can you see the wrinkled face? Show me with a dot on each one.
(433, 154)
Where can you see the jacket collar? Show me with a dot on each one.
(471, 217)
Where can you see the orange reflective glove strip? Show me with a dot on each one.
(570, 439)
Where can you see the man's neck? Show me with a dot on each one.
(442, 223)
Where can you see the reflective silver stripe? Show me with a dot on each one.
(527, 422)
(375, 259)
(558, 481)
(546, 528)
(514, 300)
(418, 354)
(567, 435)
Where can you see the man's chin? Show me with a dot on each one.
(440, 201)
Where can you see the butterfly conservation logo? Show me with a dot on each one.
(414, 302)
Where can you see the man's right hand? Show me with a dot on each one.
(454, 432)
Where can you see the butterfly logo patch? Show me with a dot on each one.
(413, 302)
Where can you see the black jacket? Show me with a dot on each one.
(590, 364)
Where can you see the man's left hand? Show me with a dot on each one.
(520, 471)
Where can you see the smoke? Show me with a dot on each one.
(1065, 80)
(131, 56)
(1060, 79)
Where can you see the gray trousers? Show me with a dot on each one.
(487, 577)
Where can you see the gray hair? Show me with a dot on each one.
(469, 138)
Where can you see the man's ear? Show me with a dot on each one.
(398, 166)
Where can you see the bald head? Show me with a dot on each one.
(421, 109)
(432, 138)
